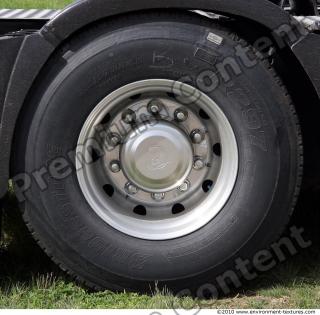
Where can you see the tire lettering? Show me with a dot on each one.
(252, 118)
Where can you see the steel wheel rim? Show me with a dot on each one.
(155, 225)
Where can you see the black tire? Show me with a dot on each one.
(109, 56)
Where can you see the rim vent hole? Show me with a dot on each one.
(95, 155)
(140, 210)
(217, 149)
(135, 97)
(106, 119)
(109, 190)
(203, 114)
(177, 208)
(207, 185)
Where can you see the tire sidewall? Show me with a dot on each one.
(252, 102)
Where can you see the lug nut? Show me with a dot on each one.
(114, 139)
(131, 189)
(129, 116)
(115, 166)
(155, 107)
(198, 164)
(197, 136)
(185, 186)
(181, 115)
(158, 196)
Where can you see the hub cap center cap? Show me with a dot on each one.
(157, 158)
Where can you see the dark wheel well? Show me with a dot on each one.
(301, 90)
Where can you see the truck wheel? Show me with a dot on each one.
(156, 154)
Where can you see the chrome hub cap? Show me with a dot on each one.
(157, 159)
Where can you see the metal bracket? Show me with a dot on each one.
(31, 14)
(311, 23)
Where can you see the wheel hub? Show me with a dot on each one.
(158, 159)
(170, 159)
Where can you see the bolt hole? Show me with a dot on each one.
(140, 210)
(108, 189)
(207, 185)
(95, 155)
(203, 114)
(106, 119)
(135, 97)
(178, 208)
(217, 149)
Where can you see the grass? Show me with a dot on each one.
(28, 279)
(33, 4)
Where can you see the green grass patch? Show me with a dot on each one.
(34, 4)
(28, 279)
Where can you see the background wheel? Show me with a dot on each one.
(176, 176)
